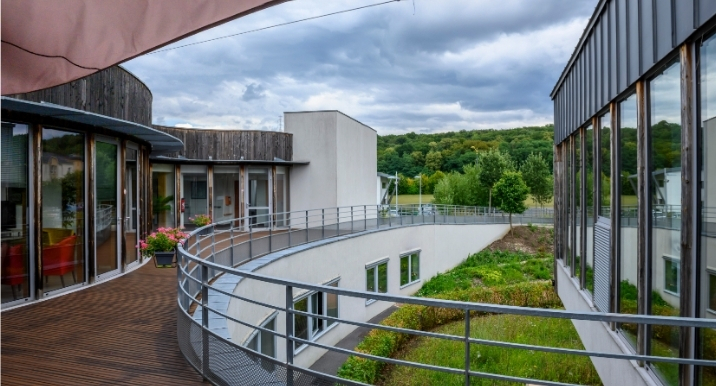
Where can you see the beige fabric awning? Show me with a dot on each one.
(48, 43)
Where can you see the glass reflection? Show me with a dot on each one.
(605, 164)
(589, 203)
(106, 207)
(628, 214)
(707, 210)
(14, 204)
(665, 196)
(577, 251)
(163, 214)
(63, 193)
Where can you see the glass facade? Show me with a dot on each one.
(665, 208)
(577, 173)
(106, 204)
(605, 165)
(628, 214)
(258, 199)
(15, 205)
(63, 208)
(589, 204)
(707, 207)
(163, 191)
(195, 190)
(131, 204)
(226, 192)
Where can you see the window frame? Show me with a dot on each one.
(677, 261)
(710, 272)
(256, 334)
(374, 266)
(325, 325)
(409, 255)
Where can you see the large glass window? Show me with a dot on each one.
(409, 268)
(63, 203)
(264, 342)
(605, 164)
(258, 196)
(281, 196)
(707, 204)
(577, 186)
(665, 205)
(194, 194)
(589, 203)
(569, 179)
(226, 192)
(319, 304)
(106, 207)
(14, 202)
(131, 204)
(163, 189)
(628, 214)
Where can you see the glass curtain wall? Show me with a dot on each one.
(605, 164)
(194, 191)
(664, 176)
(589, 203)
(568, 202)
(628, 214)
(707, 207)
(226, 192)
(163, 190)
(577, 186)
(131, 202)
(14, 204)
(106, 207)
(63, 202)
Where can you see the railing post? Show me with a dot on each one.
(400, 214)
(467, 347)
(289, 235)
(306, 226)
(377, 217)
(231, 237)
(351, 219)
(365, 218)
(251, 242)
(390, 220)
(204, 321)
(270, 239)
(338, 221)
(289, 335)
(323, 224)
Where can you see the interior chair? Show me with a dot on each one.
(59, 259)
(13, 267)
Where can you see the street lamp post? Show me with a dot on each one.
(420, 195)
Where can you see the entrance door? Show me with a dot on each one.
(107, 215)
(131, 199)
(259, 198)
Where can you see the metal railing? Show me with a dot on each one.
(211, 253)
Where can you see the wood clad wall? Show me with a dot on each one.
(232, 144)
(113, 92)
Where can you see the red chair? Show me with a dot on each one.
(13, 267)
(59, 259)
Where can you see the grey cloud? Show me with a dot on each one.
(253, 91)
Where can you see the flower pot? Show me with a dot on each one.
(164, 258)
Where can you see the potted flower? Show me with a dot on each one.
(162, 244)
(201, 220)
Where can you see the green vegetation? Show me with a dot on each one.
(490, 276)
(535, 172)
(413, 199)
(511, 193)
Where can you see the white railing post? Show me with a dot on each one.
(467, 347)
(306, 226)
(289, 335)
(204, 321)
(323, 224)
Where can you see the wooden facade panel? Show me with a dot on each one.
(113, 92)
(232, 144)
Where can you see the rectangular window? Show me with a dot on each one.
(409, 268)
(163, 190)
(264, 342)
(671, 275)
(319, 304)
(711, 301)
(376, 275)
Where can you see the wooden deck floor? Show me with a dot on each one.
(119, 332)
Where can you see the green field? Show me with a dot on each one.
(428, 198)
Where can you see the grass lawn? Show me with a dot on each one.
(413, 199)
(428, 198)
(496, 360)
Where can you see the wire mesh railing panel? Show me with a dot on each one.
(190, 339)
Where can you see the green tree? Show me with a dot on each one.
(493, 165)
(536, 175)
(511, 193)
(434, 160)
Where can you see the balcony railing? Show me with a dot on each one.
(207, 267)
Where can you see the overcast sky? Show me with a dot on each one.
(452, 65)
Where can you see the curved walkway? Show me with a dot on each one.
(119, 332)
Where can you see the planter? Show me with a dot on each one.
(164, 259)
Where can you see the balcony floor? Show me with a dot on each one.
(119, 332)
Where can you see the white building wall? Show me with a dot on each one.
(441, 247)
(357, 162)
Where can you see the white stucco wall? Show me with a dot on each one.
(441, 248)
(343, 160)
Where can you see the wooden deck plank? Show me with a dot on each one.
(119, 332)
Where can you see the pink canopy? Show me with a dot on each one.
(48, 43)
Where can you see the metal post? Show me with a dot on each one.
(289, 335)
(270, 238)
(365, 218)
(323, 224)
(390, 220)
(338, 221)
(306, 226)
(377, 217)
(231, 237)
(204, 321)
(251, 242)
(400, 214)
(467, 347)
(289, 235)
(351, 220)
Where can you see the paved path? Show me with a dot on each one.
(119, 332)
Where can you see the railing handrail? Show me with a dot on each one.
(192, 265)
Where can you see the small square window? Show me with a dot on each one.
(319, 304)
(376, 278)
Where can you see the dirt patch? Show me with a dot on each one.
(529, 239)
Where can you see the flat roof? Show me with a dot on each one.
(175, 160)
(160, 141)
